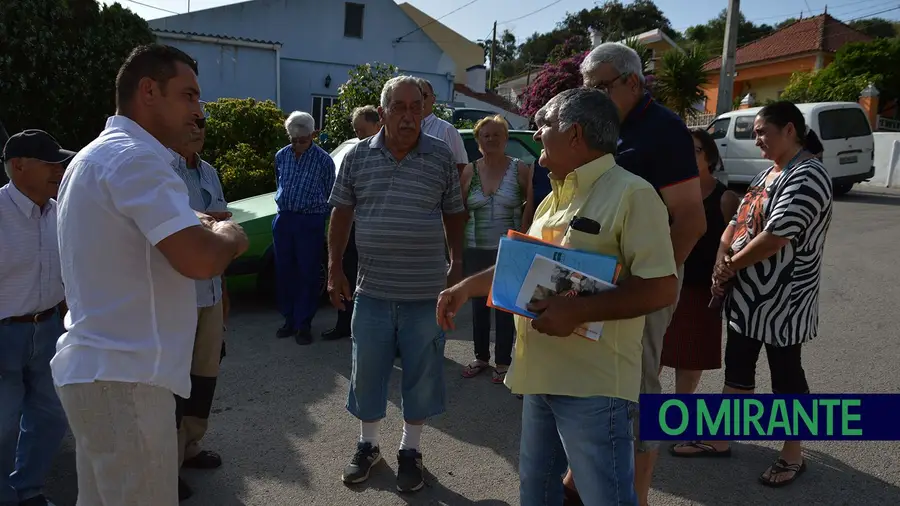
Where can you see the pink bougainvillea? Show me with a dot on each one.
(552, 80)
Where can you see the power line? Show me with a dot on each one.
(830, 9)
(874, 14)
(530, 13)
(152, 6)
(400, 38)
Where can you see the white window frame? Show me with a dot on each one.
(318, 113)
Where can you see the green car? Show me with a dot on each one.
(255, 269)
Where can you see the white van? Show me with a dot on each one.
(842, 127)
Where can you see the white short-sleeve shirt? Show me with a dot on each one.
(445, 131)
(132, 316)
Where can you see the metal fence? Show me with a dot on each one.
(888, 125)
(699, 120)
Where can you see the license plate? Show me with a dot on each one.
(844, 160)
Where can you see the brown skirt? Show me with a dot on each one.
(694, 338)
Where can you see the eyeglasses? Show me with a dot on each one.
(604, 85)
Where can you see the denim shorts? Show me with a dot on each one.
(380, 329)
(592, 435)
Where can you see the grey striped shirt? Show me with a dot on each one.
(206, 194)
(398, 210)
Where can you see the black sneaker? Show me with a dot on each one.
(303, 337)
(184, 491)
(357, 471)
(285, 331)
(335, 334)
(409, 471)
(38, 500)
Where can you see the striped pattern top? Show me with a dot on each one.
(206, 194)
(30, 274)
(777, 300)
(304, 182)
(398, 208)
(491, 216)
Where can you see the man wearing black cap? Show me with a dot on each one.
(32, 421)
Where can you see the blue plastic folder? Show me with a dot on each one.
(515, 258)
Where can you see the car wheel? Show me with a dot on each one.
(842, 189)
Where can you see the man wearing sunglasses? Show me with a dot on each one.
(192, 414)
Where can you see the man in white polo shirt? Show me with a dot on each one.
(131, 248)
(443, 130)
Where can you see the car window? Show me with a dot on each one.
(719, 128)
(514, 148)
(743, 127)
(842, 124)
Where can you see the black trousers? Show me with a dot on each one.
(475, 261)
(785, 365)
(351, 266)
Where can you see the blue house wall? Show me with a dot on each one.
(228, 70)
(314, 47)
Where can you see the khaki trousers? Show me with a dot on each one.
(194, 411)
(125, 449)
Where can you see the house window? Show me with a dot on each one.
(320, 107)
(353, 20)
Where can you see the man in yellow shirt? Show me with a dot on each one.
(579, 393)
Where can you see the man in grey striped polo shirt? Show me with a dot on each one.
(402, 188)
(192, 414)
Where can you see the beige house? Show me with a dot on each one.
(464, 53)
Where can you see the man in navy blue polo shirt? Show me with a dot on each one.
(654, 143)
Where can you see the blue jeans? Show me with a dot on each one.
(593, 435)
(380, 328)
(298, 241)
(32, 421)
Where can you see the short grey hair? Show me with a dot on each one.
(368, 113)
(624, 59)
(592, 109)
(393, 83)
(425, 82)
(299, 124)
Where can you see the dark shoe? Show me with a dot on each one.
(206, 459)
(335, 334)
(285, 331)
(184, 491)
(409, 471)
(303, 337)
(357, 471)
(38, 500)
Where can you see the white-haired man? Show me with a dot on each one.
(401, 189)
(304, 175)
(443, 130)
(654, 143)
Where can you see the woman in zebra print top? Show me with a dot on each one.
(768, 270)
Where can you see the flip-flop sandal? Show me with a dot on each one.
(497, 376)
(781, 466)
(706, 451)
(474, 369)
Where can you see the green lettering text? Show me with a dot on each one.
(829, 404)
(779, 418)
(704, 419)
(752, 418)
(812, 424)
(847, 417)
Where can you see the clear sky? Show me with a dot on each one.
(524, 17)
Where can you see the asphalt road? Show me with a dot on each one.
(279, 419)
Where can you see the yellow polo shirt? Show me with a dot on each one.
(635, 229)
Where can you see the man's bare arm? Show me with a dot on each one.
(685, 204)
(454, 231)
(478, 285)
(338, 235)
(202, 252)
(632, 298)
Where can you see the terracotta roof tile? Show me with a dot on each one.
(488, 98)
(819, 33)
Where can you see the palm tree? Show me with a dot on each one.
(643, 51)
(679, 81)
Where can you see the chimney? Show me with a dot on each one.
(476, 78)
(596, 39)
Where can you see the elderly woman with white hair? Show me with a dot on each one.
(304, 176)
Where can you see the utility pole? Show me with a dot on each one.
(490, 84)
(726, 74)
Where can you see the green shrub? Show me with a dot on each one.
(242, 137)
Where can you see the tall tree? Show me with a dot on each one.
(710, 36)
(875, 27)
(59, 64)
(505, 52)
